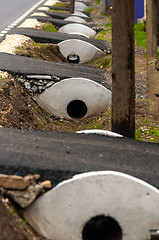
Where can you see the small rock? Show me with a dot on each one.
(46, 184)
(27, 85)
(17, 182)
(26, 197)
(34, 89)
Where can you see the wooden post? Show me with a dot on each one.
(72, 6)
(158, 22)
(123, 69)
(152, 65)
(103, 5)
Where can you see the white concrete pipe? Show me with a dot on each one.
(79, 13)
(100, 132)
(75, 19)
(86, 51)
(126, 207)
(74, 98)
(85, 1)
(80, 6)
(77, 28)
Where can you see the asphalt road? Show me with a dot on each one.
(58, 156)
(11, 10)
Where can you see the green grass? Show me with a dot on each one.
(59, 4)
(50, 28)
(102, 62)
(140, 34)
(90, 9)
(147, 131)
(94, 125)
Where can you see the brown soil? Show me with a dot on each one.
(16, 228)
(49, 52)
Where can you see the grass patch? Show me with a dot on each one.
(150, 133)
(102, 62)
(140, 34)
(90, 9)
(60, 4)
(50, 28)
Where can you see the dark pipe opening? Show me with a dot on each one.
(76, 109)
(102, 228)
(73, 58)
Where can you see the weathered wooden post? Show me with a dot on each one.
(105, 6)
(72, 6)
(123, 69)
(152, 68)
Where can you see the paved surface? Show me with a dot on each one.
(56, 37)
(57, 22)
(58, 156)
(11, 10)
(62, 15)
(23, 65)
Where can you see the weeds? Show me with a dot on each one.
(90, 9)
(50, 28)
(59, 4)
(140, 34)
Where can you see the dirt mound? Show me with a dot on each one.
(49, 52)
(18, 110)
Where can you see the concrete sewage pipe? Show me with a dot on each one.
(77, 28)
(74, 98)
(86, 51)
(125, 207)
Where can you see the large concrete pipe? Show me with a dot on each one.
(80, 6)
(77, 28)
(99, 132)
(74, 98)
(122, 206)
(86, 51)
(75, 19)
(79, 13)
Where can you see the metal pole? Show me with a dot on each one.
(123, 69)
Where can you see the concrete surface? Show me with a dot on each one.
(62, 212)
(80, 6)
(74, 98)
(99, 132)
(80, 14)
(86, 51)
(77, 28)
(75, 19)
